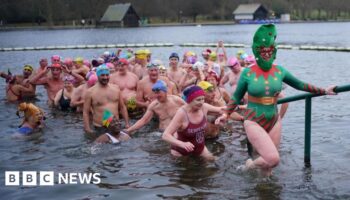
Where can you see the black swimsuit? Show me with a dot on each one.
(64, 103)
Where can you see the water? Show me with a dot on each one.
(143, 169)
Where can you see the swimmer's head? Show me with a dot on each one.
(206, 86)
(78, 61)
(212, 75)
(174, 55)
(32, 113)
(69, 79)
(160, 86)
(102, 70)
(123, 61)
(55, 59)
(191, 60)
(141, 54)
(197, 66)
(28, 68)
(213, 56)
(239, 53)
(68, 62)
(250, 60)
(87, 63)
(27, 71)
(192, 92)
(114, 127)
(102, 73)
(233, 63)
(91, 78)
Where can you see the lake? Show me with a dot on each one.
(142, 168)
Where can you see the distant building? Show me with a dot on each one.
(251, 12)
(285, 18)
(120, 15)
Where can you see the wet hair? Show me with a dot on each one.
(114, 127)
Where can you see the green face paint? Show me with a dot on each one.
(264, 46)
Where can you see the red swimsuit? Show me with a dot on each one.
(193, 133)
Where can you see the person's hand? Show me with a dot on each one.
(89, 131)
(221, 120)
(25, 82)
(127, 125)
(188, 146)
(330, 90)
(242, 107)
(220, 43)
(65, 69)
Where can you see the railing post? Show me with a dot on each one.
(307, 149)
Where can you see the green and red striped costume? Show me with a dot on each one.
(261, 84)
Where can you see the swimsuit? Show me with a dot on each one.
(193, 133)
(65, 103)
(19, 96)
(263, 88)
(112, 139)
(25, 130)
(131, 104)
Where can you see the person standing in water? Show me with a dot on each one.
(263, 82)
(186, 131)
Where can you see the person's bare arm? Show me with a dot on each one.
(284, 106)
(224, 80)
(139, 96)
(214, 109)
(169, 132)
(144, 120)
(38, 79)
(76, 99)
(57, 97)
(225, 95)
(123, 110)
(27, 88)
(86, 111)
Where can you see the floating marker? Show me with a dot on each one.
(91, 46)
(29, 48)
(121, 45)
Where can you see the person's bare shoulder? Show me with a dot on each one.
(143, 80)
(114, 87)
(177, 99)
(133, 76)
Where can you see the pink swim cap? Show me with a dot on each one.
(110, 65)
(250, 59)
(55, 58)
(92, 79)
(232, 61)
(68, 61)
(87, 63)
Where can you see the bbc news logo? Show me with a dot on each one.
(47, 178)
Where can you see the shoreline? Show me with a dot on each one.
(206, 23)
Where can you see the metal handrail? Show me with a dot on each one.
(308, 105)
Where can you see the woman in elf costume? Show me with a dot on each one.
(263, 82)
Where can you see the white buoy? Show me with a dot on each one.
(168, 44)
(140, 45)
(91, 46)
(101, 46)
(29, 48)
(18, 48)
(150, 45)
(121, 45)
(111, 46)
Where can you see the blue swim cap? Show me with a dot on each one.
(102, 69)
(174, 55)
(159, 86)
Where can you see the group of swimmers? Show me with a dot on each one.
(188, 97)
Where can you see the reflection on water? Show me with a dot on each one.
(142, 168)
